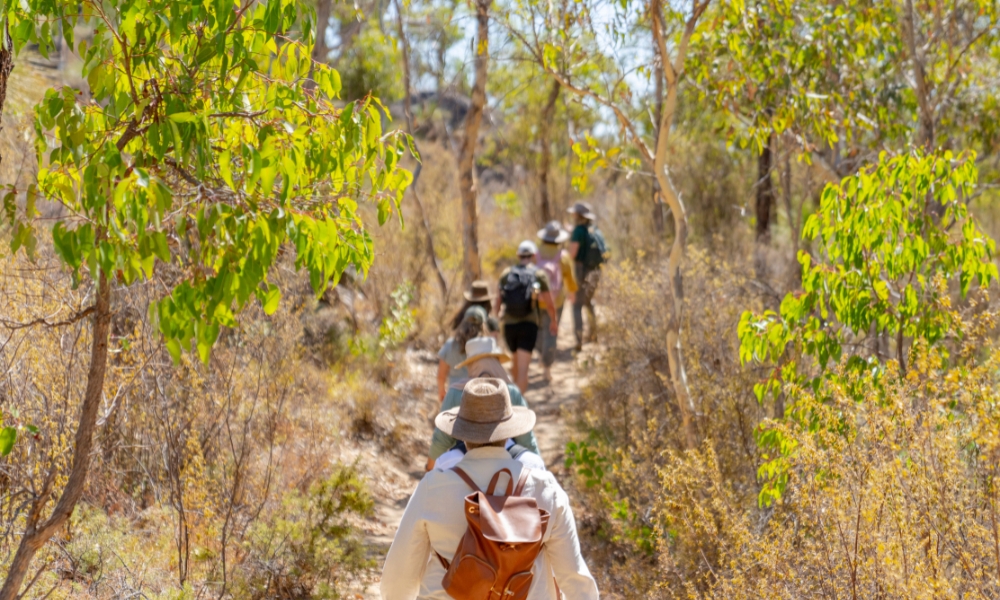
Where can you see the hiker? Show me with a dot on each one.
(485, 359)
(589, 251)
(521, 288)
(456, 541)
(478, 294)
(558, 266)
(472, 325)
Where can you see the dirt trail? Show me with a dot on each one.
(550, 403)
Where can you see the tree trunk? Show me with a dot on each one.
(659, 220)
(472, 267)
(544, 135)
(765, 192)
(672, 72)
(408, 113)
(320, 49)
(35, 534)
(6, 66)
(924, 109)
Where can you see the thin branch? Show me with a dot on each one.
(14, 325)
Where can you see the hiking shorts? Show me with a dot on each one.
(520, 336)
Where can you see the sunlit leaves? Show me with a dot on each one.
(891, 244)
(203, 148)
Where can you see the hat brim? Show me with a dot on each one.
(521, 421)
(500, 356)
(586, 215)
(473, 298)
(562, 237)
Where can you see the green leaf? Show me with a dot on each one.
(183, 117)
(7, 437)
(272, 297)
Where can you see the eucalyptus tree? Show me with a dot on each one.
(849, 79)
(471, 263)
(197, 160)
(591, 36)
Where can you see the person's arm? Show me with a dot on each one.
(550, 307)
(569, 276)
(443, 370)
(574, 249)
(407, 558)
(563, 551)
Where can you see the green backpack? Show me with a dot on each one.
(595, 249)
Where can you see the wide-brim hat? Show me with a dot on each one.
(485, 414)
(583, 209)
(553, 233)
(479, 348)
(478, 291)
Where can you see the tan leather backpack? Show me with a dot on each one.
(494, 560)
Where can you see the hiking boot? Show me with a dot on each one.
(578, 347)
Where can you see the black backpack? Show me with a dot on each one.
(518, 291)
(595, 249)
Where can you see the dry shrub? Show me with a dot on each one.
(890, 496)
(629, 416)
(194, 464)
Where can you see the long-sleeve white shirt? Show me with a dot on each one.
(435, 520)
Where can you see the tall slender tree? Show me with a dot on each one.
(471, 263)
(671, 44)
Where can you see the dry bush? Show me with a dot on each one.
(893, 496)
(205, 477)
(629, 416)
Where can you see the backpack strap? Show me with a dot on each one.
(496, 478)
(468, 480)
(523, 479)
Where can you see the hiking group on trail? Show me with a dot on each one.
(517, 540)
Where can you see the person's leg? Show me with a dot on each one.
(593, 280)
(522, 358)
(542, 339)
(510, 337)
(525, 346)
(578, 306)
(547, 343)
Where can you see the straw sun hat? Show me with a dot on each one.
(583, 209)
(479, 348)
(478, 291)
(553, 233)
(486, 415)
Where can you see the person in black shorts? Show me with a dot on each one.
(521, 287)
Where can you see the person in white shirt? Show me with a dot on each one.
(521, 454)
(434, 520)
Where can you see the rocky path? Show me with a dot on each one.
(551, 402)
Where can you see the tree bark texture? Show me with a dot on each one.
(472, 266)
(408, 113)
(659, 221)
(37, 532)
(320, 49)
(765, 205)
(6, 66)
(545, 141)
(924, 109)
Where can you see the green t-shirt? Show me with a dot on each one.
(581, 235)
(542, 285)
